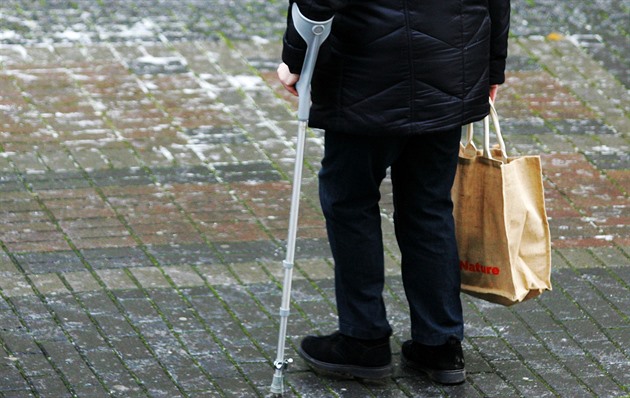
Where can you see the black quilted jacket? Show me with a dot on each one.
(403, 66)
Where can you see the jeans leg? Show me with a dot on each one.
(422, 179)
(352, 170)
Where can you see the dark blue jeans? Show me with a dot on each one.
(422, 170)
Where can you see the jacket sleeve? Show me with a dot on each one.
(293, 46)
(500, 19)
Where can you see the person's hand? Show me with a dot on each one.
(287, 78)
(493, 91)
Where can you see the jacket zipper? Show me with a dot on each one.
(412, 89)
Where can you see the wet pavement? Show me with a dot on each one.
(146, 154)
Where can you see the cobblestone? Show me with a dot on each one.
(146, 154)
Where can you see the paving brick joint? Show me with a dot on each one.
(146, 156)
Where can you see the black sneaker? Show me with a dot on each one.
(346, 356)
(443, 364)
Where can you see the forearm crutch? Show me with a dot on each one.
(314, 33)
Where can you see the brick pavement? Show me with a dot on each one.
(145, 160)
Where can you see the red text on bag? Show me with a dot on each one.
(484, 269)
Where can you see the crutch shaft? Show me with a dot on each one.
(314, 33)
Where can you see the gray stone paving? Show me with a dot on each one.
(145, 165)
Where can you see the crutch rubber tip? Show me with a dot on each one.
(277, 385)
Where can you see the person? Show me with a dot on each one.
(393, 86)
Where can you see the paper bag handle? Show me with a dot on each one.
(487, 150)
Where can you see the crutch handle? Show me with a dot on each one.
(314, 34)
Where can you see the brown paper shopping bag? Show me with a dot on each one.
(501, 223)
